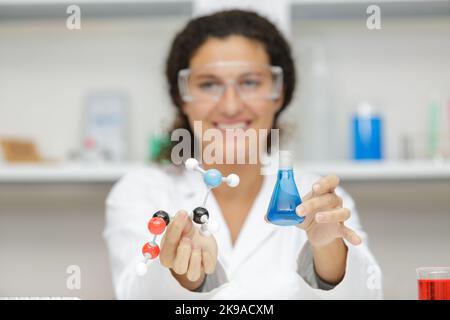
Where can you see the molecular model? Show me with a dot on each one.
(200, 215)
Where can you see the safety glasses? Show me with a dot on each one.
(251, 81)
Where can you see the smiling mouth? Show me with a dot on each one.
(244, 125)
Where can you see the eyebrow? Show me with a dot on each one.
(207, 76)
(213, 76)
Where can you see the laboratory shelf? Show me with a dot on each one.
(356, 9)
(382, 171)
(301, 9)
(95, 9)
(109, 173)
(70, 172)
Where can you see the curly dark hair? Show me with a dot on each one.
(222, 25)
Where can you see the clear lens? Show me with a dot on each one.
(251, 81)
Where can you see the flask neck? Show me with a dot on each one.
(285, 173)
(285, 160)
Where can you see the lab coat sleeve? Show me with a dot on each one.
(362, 279)
(128, 208)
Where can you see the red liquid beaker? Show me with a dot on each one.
(434, 283)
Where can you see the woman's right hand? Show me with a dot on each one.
(187, 253)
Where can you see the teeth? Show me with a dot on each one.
(237, 125)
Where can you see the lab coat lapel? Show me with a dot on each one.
(255, 229)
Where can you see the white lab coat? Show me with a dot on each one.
(266, 262)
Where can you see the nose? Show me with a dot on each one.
(230, 104)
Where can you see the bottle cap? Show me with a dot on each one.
(365, 110)
(285, 160)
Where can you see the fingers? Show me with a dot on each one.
(337, 215)
(192, 261)
(319, 203)
(325, 185)
(350, 235)
(171, 239)
(181, 263)
(195, 264)
(209, 264)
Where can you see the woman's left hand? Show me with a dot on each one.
(324, 214)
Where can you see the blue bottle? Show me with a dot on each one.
(285, 196)
(367, 129)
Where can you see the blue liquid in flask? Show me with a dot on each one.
(285, 196)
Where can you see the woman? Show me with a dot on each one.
(222, 72)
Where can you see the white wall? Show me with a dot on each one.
(46, 71)
(397, 67)
(408, 227)
(44, 229)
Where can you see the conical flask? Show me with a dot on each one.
(285, 196)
